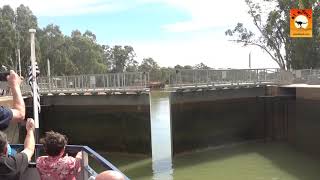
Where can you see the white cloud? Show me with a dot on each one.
(209, 18)
(211, 48)
(215, 52)
(208, 14)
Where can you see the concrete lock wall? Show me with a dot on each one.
(306, 124)
(107, 123)
(209, 118)
(198, 119)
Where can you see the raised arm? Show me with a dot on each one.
(29, 141)
(78, 162)
(18, 109)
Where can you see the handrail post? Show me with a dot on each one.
(118, 77)
(107, 81)
(207, 78)
(145, 80)
(85, 163)
(265, 75)
(75, 83)
(104, 83)
(81, 82)
(124, 81)
(148, 79)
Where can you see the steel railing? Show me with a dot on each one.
(183, 77)
(308, 76)
(92, 83)
(137, 81)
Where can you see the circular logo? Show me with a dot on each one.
(301, 21)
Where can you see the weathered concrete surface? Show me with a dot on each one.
(210, 118)
(220, 94)
(199, 119)
(108, 123)
(307, 120)
(202, 119)
(96, 100)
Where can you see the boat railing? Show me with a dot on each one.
(86, 170)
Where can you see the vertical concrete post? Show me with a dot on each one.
(82, 82)
(124, 80)
(145, 80)
(107, 80)
(19, 61)
(49, 74)
(207, 78)
(104, 82)
(85, 163)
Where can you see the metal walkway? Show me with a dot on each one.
(177, 79)
(135, 82)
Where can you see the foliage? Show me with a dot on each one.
(201, 66)
(78, 53)
(274, 34)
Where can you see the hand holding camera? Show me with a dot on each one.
(14, 80)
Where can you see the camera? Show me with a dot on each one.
(3, 76)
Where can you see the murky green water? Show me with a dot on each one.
(259, 161)
(254, 161)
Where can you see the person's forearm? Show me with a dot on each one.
(18, 103)
(29, 142)
(79, 155)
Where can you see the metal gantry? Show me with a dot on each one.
(93, 83)
(178, 78)
(212, 77)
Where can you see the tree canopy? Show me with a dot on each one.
(273, 33)
(77, 53)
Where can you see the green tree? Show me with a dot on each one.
(25, 20)
(273, 34)
(121, 58)
(178, 66)
(148, 64)
(90, 35)
(76, 54)
(201, 66)
(132, 66)
(57, 48)
(7, 37)
(86, 54)
(187, 67)
(151, 66)
(166, 73)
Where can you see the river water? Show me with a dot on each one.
(250, 161)
(161, 136)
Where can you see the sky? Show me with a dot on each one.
(172, 32)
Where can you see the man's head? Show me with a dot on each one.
(3, 143)
(54, 143)
(110, 175)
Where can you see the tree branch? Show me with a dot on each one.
(272, 43)
(262, 47)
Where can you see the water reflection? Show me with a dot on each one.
(161, 136)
